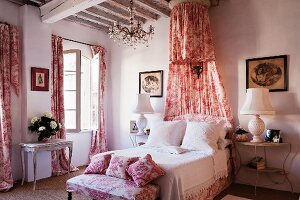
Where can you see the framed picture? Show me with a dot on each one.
(267, 72)
(133, 127)
(39, 79)
(151, 83)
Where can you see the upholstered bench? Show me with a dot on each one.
(104, 187)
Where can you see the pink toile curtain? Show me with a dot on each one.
(57, 101)
(99, 142)
(9, 76)
(190, 97)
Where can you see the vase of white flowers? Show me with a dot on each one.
(45, 126)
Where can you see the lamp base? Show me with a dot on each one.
(141, 123)
(256, 139)
(256, 127)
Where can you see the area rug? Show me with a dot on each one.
(231, 197)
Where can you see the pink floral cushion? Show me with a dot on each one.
(118, 165)
(99, 164)
(144, 170)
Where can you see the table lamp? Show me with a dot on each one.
(257, 103)
(143, 107)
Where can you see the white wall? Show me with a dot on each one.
(124, 68)
(257, 28)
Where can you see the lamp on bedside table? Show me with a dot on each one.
(257, 103)
(143, 107)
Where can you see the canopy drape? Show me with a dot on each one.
(191, 97)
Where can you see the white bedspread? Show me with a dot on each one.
(186, 173)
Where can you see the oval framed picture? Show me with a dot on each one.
(267, 72)
(151, 82)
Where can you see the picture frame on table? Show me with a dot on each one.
(39, 79)
(133, 127)
(267, 72)
(151, 82)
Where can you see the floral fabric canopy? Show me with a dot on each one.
(191, 97)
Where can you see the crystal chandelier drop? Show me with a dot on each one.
(132, 35)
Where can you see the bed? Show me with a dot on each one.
(189, 175)
(196, 165)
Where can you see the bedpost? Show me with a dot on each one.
(69, 195)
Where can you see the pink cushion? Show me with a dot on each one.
(99, 164)
(118, 165)
(144, 170)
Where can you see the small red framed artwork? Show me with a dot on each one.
(39, 79)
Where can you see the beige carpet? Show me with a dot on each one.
(231, 197)
(53, 188)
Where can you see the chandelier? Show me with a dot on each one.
(132, 35)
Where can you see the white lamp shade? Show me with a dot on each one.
(143, 105)
(257, 102)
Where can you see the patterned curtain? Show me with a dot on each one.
(57, 100)
(99, 143)
(9, 76)
(190, 96)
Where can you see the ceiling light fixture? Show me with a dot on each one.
(132, 35)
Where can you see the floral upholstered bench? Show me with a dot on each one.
(104, 187)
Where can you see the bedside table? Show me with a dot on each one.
(133, 137)
(267, 169)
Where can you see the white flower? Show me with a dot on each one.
(48, 114)
(42, 128)
(53, 124)
(59, 125)
(34, 119)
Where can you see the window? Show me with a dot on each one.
(81, 80)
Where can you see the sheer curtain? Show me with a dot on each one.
(189, 96)
(57, 101)
(9, 76)
(99, 141)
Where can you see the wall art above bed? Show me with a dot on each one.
(151, 83)
(267, 72)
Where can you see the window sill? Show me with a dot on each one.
(85, 131)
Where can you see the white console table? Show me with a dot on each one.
(51, 145)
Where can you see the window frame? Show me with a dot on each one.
(78, 89)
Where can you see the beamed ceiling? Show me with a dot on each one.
(99, 14)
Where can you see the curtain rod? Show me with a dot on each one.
(78, 42)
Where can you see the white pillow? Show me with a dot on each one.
(166, 133)
(201, 136)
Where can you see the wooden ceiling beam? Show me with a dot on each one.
(18, 2)
(82, 21)
(119, 11)
(56, 10)
(107, 15)
(164, 3)
(140, 11)
(88, 16)
(155, 6)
